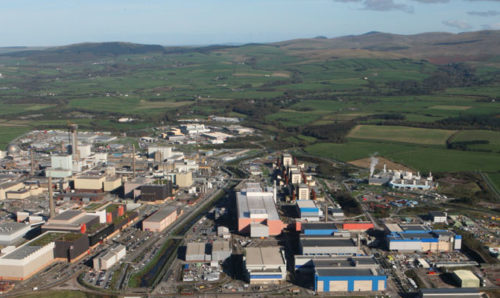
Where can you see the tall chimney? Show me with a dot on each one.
(74, 141)
(133, 161)
(51, 199)
(326, 212)
(32, 163)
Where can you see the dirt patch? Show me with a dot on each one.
(365, 163)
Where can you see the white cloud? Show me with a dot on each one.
(462, 25)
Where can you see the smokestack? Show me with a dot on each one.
(51, 199)
(373, 163)
(74, 141)
(133, 161)
(326, 213)
(32, 162)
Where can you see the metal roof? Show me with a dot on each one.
(9, 228)
(161, 214)
(344, 272)
(327, 241)
(67, 215)
(22, 252)
(264, 256)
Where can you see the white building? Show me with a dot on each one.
(265, 265)
(12, 232)
(61, 166)
(107, 259)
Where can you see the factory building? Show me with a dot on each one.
(156, 192)
(256, 206)
(8, 187)
(320, 229)
(165, 152)
(70, 246)
(194, 129)
(410, 181)
(438, 216)
(265, 265)
(91, 183)
(308, 211)
(466, 279)
(107, 259)
(197, 252)
(409, 238)
(327, 245)
(61, 166)
(112, 183)
(71, 221)
(287, 160)
(221, 250)
(161, 219)
(303, 192)
(27, 259)
(12, 232)
(184, 179)
(357, 226)
(295, 176)
(348, 275)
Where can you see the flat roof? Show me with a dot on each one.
(413, 228)
(465, 274)
(22, 252)
(8, 228)
(319, 226)
(67, 215)
(327, 241)
(344, 272)
(253, 200)
(220, 245)
(450, 290)
(306, 204)
(270, 255)
(161, 214)
(195, 248)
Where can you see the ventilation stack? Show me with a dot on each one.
(74, 141)
(51, 199)
(133, 161)
(32, 172)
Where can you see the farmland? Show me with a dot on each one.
(318, 95)
(401, 134)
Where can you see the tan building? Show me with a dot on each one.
(265, 265)
(303, 192)
(24, 193)
(184, 179)
(9, 186)
(90, 182)
(112, 183)
(161, 219)
(287, 160)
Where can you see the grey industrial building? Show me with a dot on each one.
(327, 245)
(12, 232)
(221, 250)
(197, 252)
(156, 192)
(450, 292)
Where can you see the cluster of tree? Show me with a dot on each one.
(476, 121)
(447, 76)
(348, 203)
(255, 109)
(336, 132)
(464, 145)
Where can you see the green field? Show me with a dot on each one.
(401, 134)
(493, 137)
(418, 157)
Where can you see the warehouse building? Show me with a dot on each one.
(466, 279)
(161, 219)
(71, 221)
(12, 232)
(35, 255)
(348, 280)
(156, 192)
(308, 211)
(287, 160)
(320, 228)
(90, 183)
(109, 258)
(197, 252)
(411, 238)
(70, 246)
(184, 179)
(258, 207)
(221, 250)
(438, 216)
(450, 292)
(327, 245)
(265, 265)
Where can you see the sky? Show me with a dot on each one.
(203, 22)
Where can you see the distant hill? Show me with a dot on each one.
(85, 51)
(436, 47)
